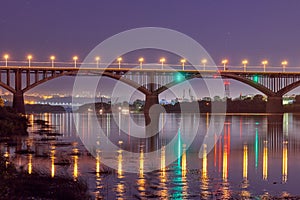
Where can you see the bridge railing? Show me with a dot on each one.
(152, 66)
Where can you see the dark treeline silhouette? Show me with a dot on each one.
(12, 123)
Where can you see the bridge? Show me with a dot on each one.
(150, 82)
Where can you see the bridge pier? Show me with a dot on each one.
(18, 96)
(18, 102)
(274, 104)
(152, 111)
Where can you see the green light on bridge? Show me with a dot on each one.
(255, 78)
(179, 77)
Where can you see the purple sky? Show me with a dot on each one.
(233, 29)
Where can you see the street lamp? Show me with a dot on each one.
(162, 60)
(75, 58)
(284, 64)
(97, 61)
(264, 63)
(52, 58)
(6, 56)
(119, 61)
(245, 62)
(29, 57)
(141, 60)
(204, 61)
(224, 62)
(183, 62)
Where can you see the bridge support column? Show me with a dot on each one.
(274, 105)
(18, 98)
(152, 111)
(18, 102)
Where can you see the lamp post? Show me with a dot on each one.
(119, 61)
(97, 61)
(264, 63)
(141, 60)
(183, 62)
(245, 62)
(75, 58)
(162, 60)
(224, 62)
(52, 58)
(6, 56)
(284, 64)
(204, 61)
(29, 57)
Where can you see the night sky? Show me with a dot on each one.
(233, 29)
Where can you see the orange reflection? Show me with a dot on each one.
(245, 163)
(120, 160)
(6, 156)
(141, 163)
(163, 161)
(97, 165)
(204, 162)
(75, 169)
(205, 193)
(225, 163)
(225, 153)
(265, 161)
(30, 164)
(183, 162)
(163, 177)
(285, 162)
(52, 156)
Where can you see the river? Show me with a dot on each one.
(253, 155)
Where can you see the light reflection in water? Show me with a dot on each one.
(205, 193)
(253, 150)
(141, 180)
(163, 177)
(98, 164)
(256, 148)
(204, 162)
(120, 160)
(98, 176)
(75, 160)
(245, 163)
(184, 171)
(265, 161)
(6, 156)
(183, 162)
(141, 174)
(29, 163)
(52, 156)
(225, 156)
(285, 162)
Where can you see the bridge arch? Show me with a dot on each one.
(253, 84)
(133, 84)
(249, 82)
(288, 88)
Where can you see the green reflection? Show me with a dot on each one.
(256, 148)
(179, 148)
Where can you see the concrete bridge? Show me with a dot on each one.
(151, 82)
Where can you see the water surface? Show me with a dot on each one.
(254, 155)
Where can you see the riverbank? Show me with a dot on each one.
(12, 123)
